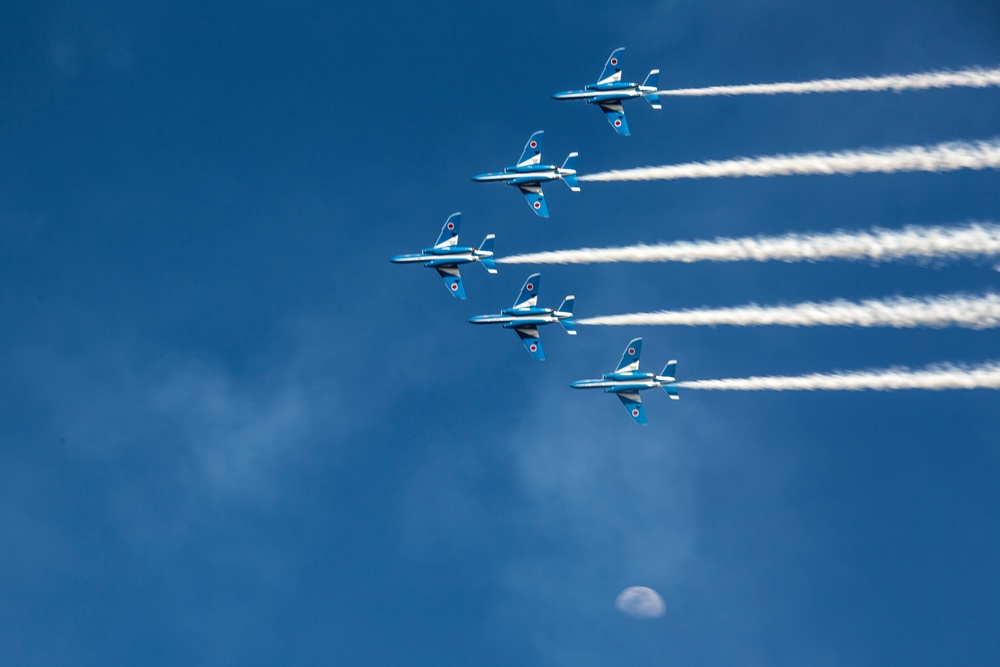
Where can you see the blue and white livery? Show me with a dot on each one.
(446, 255)
(524, 317)
(609, 92)
(627, 381)
(529, 174)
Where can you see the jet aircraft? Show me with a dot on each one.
(627, 381)
(609, 92)
(529, 174)
(446, 255)
(525, 317)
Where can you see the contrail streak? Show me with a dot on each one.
(970, 312)
(967, 78)
(984, 376)
(950, 156)
(969, 240)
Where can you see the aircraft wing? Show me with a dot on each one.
(612, 68)
(616, 116)
(449, 233)
(536, 199)
(630, 357)
(532, 343)
(532, 153)
(633, 403)
(452, 279)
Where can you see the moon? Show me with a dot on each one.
(640, 602)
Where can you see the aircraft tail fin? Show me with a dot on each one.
(569, 324)
(653, 81)
(487, 246)
(570, 166)
(670, 371)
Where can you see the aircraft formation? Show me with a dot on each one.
(528, 174)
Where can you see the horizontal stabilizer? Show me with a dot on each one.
(670, 371)
(487, 246)
(570, 166)
(653, 81)
(569, 324)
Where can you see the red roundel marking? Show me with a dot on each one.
(635, 412)
(534, 144)
(454, 287)
(533, 348)
(537, 204)
(529, 287)
(451, 225)
(631, 350)
(618, 122)
(614, 61)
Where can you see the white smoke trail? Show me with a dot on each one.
(950, 156)
(970, 240)
(967, 78)
(970, 312)
(984, 376)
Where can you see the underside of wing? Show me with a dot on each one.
(532, 343)
(532, 153)
(452, 279)
(536, 199)
(616, 116)
(633, 403)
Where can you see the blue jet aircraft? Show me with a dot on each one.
(627, 381)
(529, 174)
(525, 317)
(446, 255)
(609, 92)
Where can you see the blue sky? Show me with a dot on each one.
(233, 433)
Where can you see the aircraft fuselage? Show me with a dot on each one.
(510, 318)
(628, 381)
(514, 175)
(451, 255)
(613, 91)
